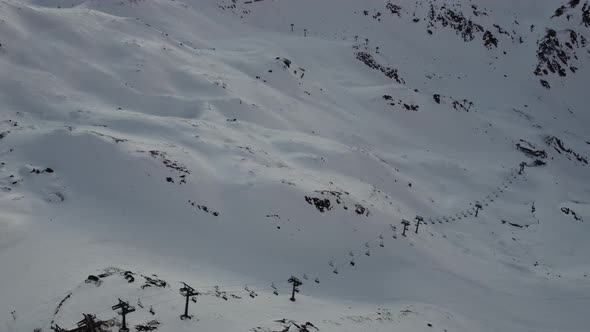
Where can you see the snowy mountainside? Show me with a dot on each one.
(151, 142)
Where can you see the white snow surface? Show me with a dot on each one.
(172, 139)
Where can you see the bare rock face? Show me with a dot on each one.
(558, 49)
(560, 147)
(555, 56)
(368, 60)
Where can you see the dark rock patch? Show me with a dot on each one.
(321, 204)
(180, 170)
(153, 281)
(204, 208)
(556, 53)
(560, 147)
(489, 40)
(569, 211)
(464, 105)
(403, 105)
(455, 20)
(459, 105)
(436, 98)
(530, 149)
(92, 279)
(368, 60)
(149, 326)
(291, 325)
(514, 224)
(128, 275)
(324, 202)
(394, 9)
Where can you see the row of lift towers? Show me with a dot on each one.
(90, 324)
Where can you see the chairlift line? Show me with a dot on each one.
(123, 308)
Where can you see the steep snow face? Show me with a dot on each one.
(237, 143)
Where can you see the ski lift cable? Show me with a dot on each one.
(210, 287)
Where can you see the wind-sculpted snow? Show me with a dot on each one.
(405, 165)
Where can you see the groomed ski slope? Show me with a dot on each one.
(203, 141)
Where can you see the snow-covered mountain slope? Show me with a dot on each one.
(237, 143)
